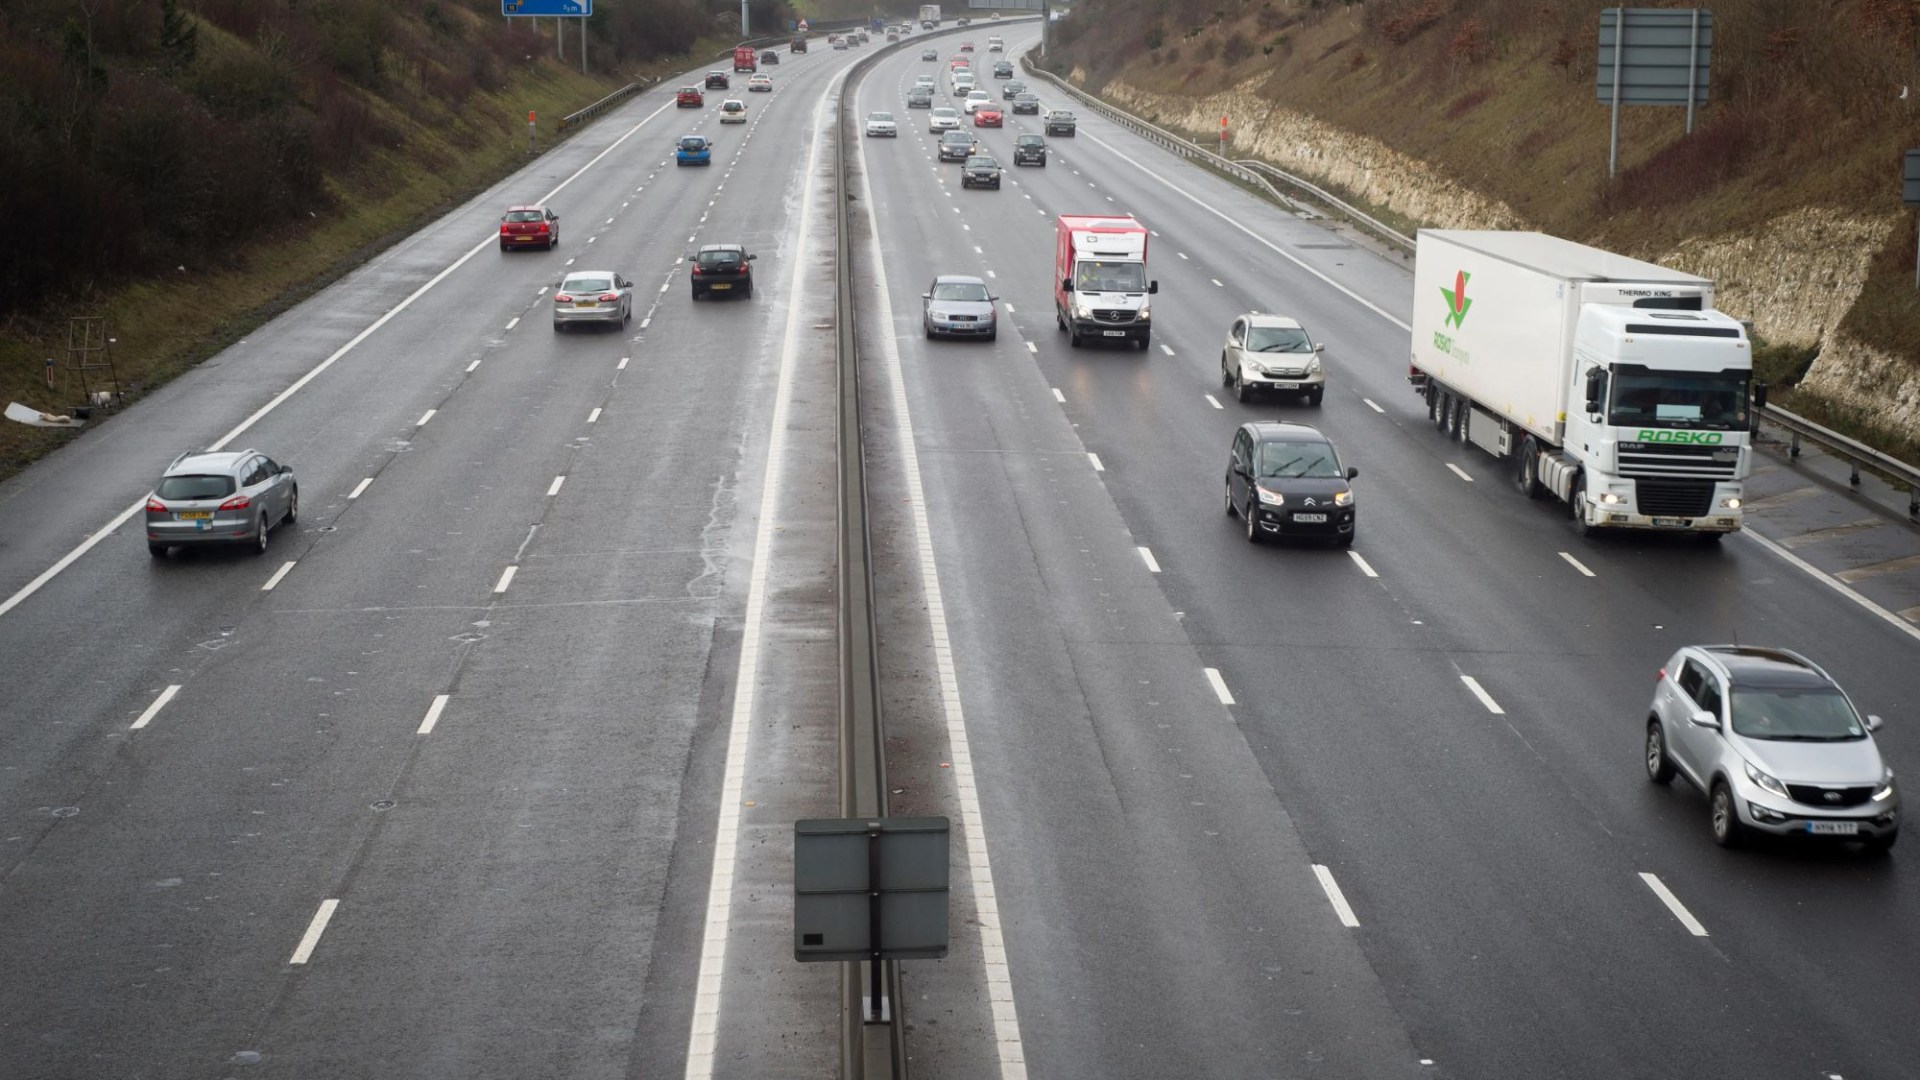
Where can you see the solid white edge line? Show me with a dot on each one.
(433, 715)
(506, 579)
(1834, 583)
(153, 710)
(1576, 563)
(972, 827)
(1213, 401)
(1486, 699)
(704, 1034)
(1674, 905)
(1219, 686)
(554, 488)
(1459, 472)
(428, 415)
(277, 575)
(1095, 459)
(1058, 396)
(1371, 405)
(1339, 899)
(1146, 556)
(314, 929)
(1362, 563)
(360, 488)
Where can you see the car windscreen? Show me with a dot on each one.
(981, 163)
(1095, 275)
(195, 487)
(587, 285)
(1277, 339)
(719, 258)
(1810, 714)
(1643, 397)
(886, 116)
(1299, 459)
(1029, 140)
(525, 215)
(693, 142)
(960, 290)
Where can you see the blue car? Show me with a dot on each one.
(693, 150)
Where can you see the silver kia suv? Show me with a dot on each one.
(1774, 743)
(220, 498)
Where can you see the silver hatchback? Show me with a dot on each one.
(220, 498)
(592, 296)
(1774, 743)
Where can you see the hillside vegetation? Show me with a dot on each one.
(1812, 106)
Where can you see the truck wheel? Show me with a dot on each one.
(1578, 503)
(1457, 419)
(1527, 469)
(1145, 340)
(1059, 320)
(1442, 403)
(1073, 337)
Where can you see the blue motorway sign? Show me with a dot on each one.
(546, 7)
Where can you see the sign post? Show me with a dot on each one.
(533, 133)
(1910, 196)
(1652, 56)
(872, 889)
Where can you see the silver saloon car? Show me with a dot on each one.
(959, 306)
(1774, 743)
(592, 296)
(220, 498)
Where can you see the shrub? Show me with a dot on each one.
(1236, 48)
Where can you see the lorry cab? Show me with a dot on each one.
(1100, 276)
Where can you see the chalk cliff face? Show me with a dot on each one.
(1795, 279)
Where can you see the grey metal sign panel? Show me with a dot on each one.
(838, 905)
(1910, 180)
(1660, 57)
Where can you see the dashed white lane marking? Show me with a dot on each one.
(360, 488)
(1146, 556)
(1165, 349)
(591, 239)
(1213, 401)
(1032, 348)
(554, 488)
(1337, 898)
(703, 1038)
(285, 568)
(665, 285)
(304, 951)
(1674, 905)
(644, 323)
(1459, 472)
(542, 292)
(1372, 406)
(1219, 686)
(1095, 459)
(1216, 282)
(993, 948)
(506, 579)
(622, 365)
(594, 416)
(569, 262)
(1058, 396)
(153, 710)
(1009, 308)
(1183, 256)
(1576, 563)
(471, 366)
(513, 322)
(1365, 568)
(433, 715)
(1486, 699)
(422, 422)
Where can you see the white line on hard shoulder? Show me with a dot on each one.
(277, 575)
(1372, 406)
(1362, 563)
(1146, 556)
(433, 715)
(1337, 898)
(153, 710)
(506, 579)
(1576, 563)
(318, 926)
(360, 488)
(1058, 396)
(1823, 577)
(569, 262)
(1459, 472)
(972, 828)
(513, 322)
(1219, 686)
(1486, 699)
(703, 1038)
(594, 416)
(554, 488)
(1095, 460)
(1213, 401)
(664, 285)
(1674, 905)
(428, 415)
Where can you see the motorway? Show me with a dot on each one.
(445, 797)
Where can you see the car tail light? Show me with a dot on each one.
(238, 502)
(609, 296)
(543, 226)
(155, 505)
(562, 298)
(696, 269)
(1661, 675)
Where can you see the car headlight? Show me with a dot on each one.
(1313, 366)
(1885, 790)
(1766, 781)
(1081, 311)
(1612, 499)
(1343, 498)
(1144, 315)
(1731, 503)
(1271, 498)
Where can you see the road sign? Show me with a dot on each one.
(1665, 50)
(1910, 182)
(870, 888)
(545, 8)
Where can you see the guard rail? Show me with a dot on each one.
(1855, 452)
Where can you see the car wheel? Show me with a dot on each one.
(559, 327)
(293, 506)
(1226, 375)
(1728, 832)
(1313, 399)
(1241, 391)
(1659, 766)
(1253, 523)
(1231, 509)
(158, 551)
(993, 334)
(506, 247)
(1073, 337)
(749, 292)
(1144, 340)
(553, 243)
(929, 328)
(1043, 163)
(1346, 538)
(1880, 845)
(261, 536)
(1526, 471)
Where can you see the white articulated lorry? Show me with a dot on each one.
(929, 16)
(1608, 382)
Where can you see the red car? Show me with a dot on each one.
(966, 46)
(985, 117)
(690, 97)
(529, 226)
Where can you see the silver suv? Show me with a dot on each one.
(1272, 354)
(220, 498)
(1776, 745)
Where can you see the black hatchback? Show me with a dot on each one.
(721, 268)
(1287, 480)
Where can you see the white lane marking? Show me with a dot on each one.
(1165, 349)
(664, 285)
(979, 867)
(1183, 256)
(703, 1038)
(1095, 459)
(471, 366)
(1009, 308)
(428, 415)
(594, 416)
(506, 579)
(554, 488)
(277, 575)
(1337, 898)
(622, 365)
(1362, 563)
(318, 926)
(569, 262)
(1213, 401)
(153, 710)
(1372, 406)
(1576, 563)
(542, 292)
(1832, 582)
(991, 274)
(1219, 686)
(433, 714)
(1058, 396)
(1032, 348)
(1459, 472)
(649, 319)
(513, 322)
(1154, 232)
(360, 488)
(1674, 905)
(591, 239)
(1146, 556)
(1486, 699)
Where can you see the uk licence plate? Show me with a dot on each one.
(1287, 385)
(717, 285)
(1834, 828)
(1113, 333)
(194, 515)
(586, 303)
(1312, 519)
(1677, 523)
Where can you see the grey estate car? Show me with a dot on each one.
(220, 498)
(1774, 743)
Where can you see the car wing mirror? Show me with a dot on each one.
(1066, 284)
(1874, 722)
(1705, 719)
(926, 296)
(750, 258)
(1153, 287)
(1319, 346)
(1352, 472)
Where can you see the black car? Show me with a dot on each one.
(771, 57)
(1030, 150)
(1026, 103)
(1287, 480)
(718, 80)
(920, 98)
(1060, 122)
(1003, 70)
(721, 268)
(1013, 90)
(956, 146)
(980, 171)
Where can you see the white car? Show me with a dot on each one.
(961, 86)
(975, 99)
(733, 111)
(924, 80)
(880, 124)
(760, 82)
(943, 119)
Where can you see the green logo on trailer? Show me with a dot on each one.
(1693, 438)
(1457, 300)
